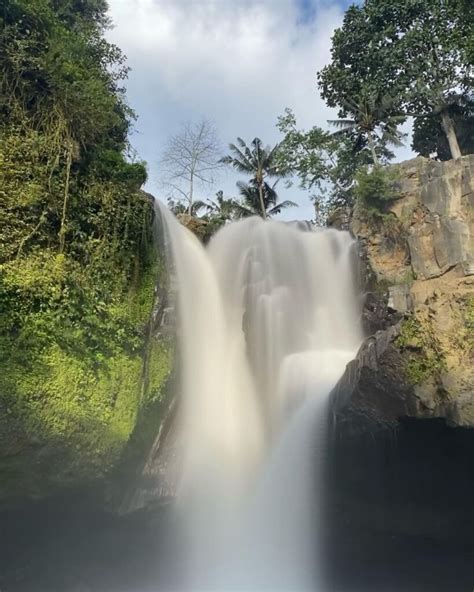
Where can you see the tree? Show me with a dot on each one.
(326, 164)
(429, 137)
(305, 153)
(371, 121)
(222, 208)
(64, 120)
(190, 158)
(260, 163)
(252, 196)
(415, 51)
(76, 240)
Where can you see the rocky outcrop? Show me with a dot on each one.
(400, 469)
(420, 265)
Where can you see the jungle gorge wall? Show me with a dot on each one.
(79, 362)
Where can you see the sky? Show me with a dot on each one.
(238, 63)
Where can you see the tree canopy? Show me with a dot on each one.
(417, 52)
(325, 163)
(64, 121)
(250, 203)
(429, 137)
(372, 123)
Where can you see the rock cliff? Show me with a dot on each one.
(400, 468)
(418, 361)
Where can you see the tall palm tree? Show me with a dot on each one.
(251, 204)
(372, 119)
(257, 161)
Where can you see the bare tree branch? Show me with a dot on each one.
(189, 158)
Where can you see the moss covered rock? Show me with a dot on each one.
(70, 398)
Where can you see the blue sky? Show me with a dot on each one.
(309, 8)
(238, 63)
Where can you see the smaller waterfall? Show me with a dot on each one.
(268, 318)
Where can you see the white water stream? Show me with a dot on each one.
(268, 318)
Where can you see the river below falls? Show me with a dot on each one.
(67, 545)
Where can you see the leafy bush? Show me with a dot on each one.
(376, 188)
(424, 360)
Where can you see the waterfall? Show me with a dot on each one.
(268, 317)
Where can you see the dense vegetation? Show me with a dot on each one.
(77, 264)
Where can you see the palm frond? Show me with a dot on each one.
(242, 186)
(239, 160)
(345, 125)
(243, 212)
(281, 206)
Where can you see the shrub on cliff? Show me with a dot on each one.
(376, 188)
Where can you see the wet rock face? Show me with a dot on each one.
(394, 378)
(419, 360)
(372, 394)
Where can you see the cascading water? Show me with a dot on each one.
(268, 319)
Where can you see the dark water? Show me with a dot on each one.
(53, 549)
(399, 517)
(400, 511)
(70, 545)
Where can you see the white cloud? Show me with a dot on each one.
(236, 62)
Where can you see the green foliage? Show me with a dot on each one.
(78, 267)
(72, 373)
(373, 123)
(378, 48)
(259, 198)
(251, 200)
(376, 188)
(63, 129)
(429, 137)
(221, 209)
(58, 66)
(181, 207)
(424, 360)
(374, 191)
(158, 370)
(325, 163)
(305, 153)
(109, 164)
